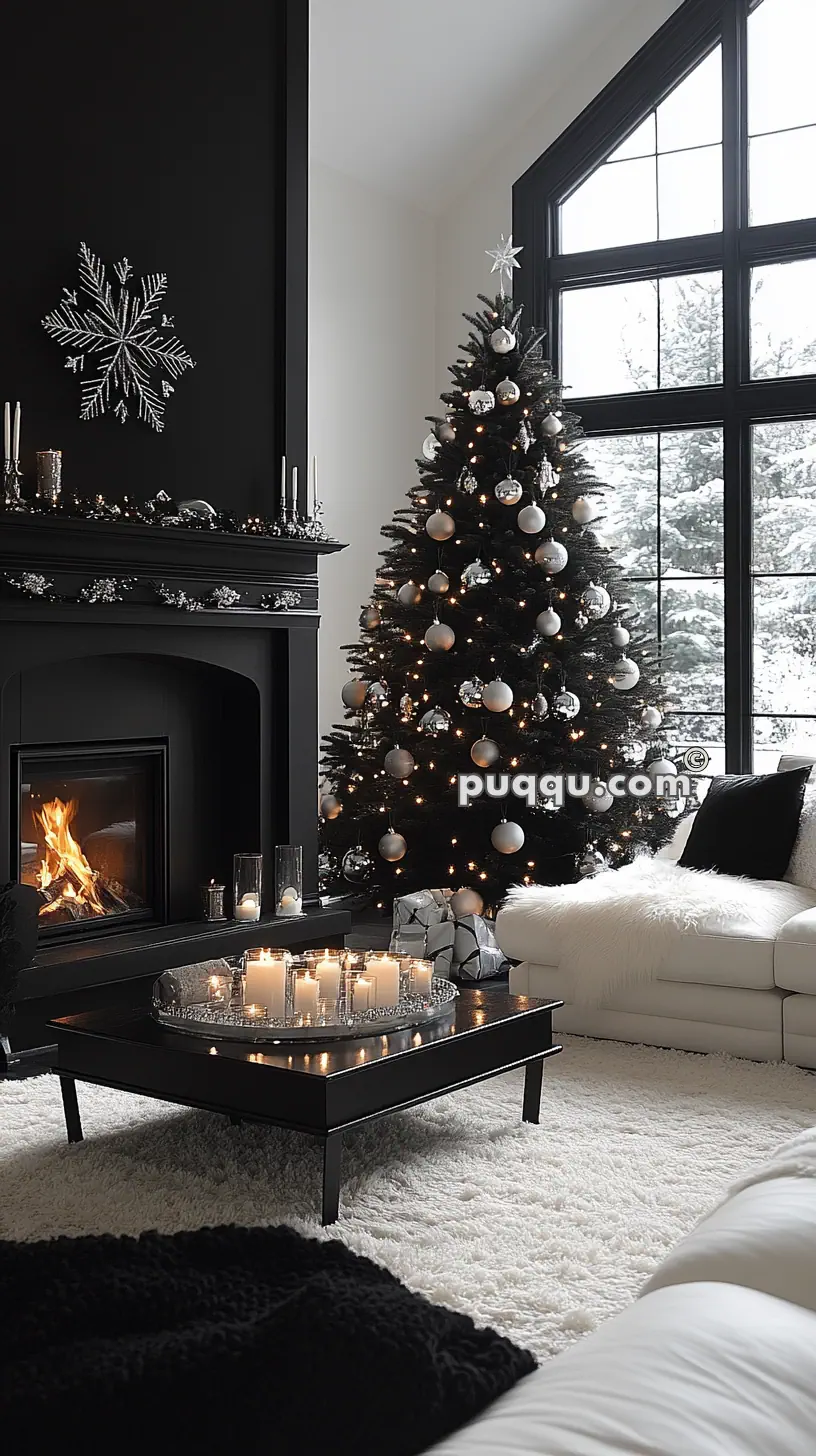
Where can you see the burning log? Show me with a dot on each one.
(71, 888)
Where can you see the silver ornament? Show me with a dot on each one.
(445, 433)
(583, 511)
(330, 806)
(502, 341)
(357, 865)
(592, 862)
(633, 752)
(581, 621)
(475, 575)
(399, 763)
(548, 623)
(439, 583)
(409, 594)
(392, 847)
(566, 705)
(481, 401)
(620, 635)
(485, 752)
(507, 837)
(625, 674)
(552, 556)
(651, 718)
(596, 601)
(508, 392)
(406, 707)
(551, 425)
(524, 438)
(540, 707)
(439, 637)
(435, 721)
(497, 696)
(440, 526)
(598, 799)
(377, 694)
(467, 481)
(470, 692)
(354, 693)
(370, 618)
(531, 520)
(466, 902)
(508, 491)
(430, 447)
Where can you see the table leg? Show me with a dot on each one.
(533, 1077)
(70, 1106)
(332, 1151)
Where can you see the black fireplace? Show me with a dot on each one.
(90, 834)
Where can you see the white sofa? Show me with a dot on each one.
(735, 991)
(716, 1358)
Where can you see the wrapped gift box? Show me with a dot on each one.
(476, 956)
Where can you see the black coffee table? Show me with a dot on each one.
(321, 1090)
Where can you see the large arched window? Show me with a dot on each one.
(670, 240)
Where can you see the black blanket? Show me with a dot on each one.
(231, 1339)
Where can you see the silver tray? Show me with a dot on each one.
(200, 1019)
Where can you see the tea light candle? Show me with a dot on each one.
(248, 908)
(290, 903)
(217, 991)
(362, 994)
(385, 972)
(306, 989)
(421, 978)
(254, 1012)
(266, 978)
(327, 971)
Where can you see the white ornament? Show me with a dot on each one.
(651, 717)
(508, 392)
(552, 556)
(399, 763)
(440, 526)
(122, 343)
(354, 693)
(409, 594)
(660, 768)
(392, 846)
(566, 705)
(485, 752)
(430, 447)
(620, 635)
(583, 510)
(531, 520)
(596, 601)
(507, 837)
(466, 902)
(330, 806)
(548, 623)
(598, 799)
(502, 341)
(439, 637)
(625, 674)
(551, 425)
(439, 583)
(497, 696)
(481, 401)
(508, 491)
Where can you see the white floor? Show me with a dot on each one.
(542, 1231)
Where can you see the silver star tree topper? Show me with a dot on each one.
(504, 259)
(130, 350)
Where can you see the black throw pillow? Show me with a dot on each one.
(747, 825)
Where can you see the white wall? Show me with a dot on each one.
(371, 383)
(473, 221)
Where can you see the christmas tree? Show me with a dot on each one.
(499, 637)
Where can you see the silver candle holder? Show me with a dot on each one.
(212, 896)
(13, 487)
(49, 476)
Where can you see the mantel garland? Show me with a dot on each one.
(162, 510)
(111, 589)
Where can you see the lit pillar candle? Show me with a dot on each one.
(328, 975)
(266, 981)
(421, 978)
(248, 908)
(306, 989)
(361, 996)
(385, 971)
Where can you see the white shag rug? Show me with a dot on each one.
(541, 1231)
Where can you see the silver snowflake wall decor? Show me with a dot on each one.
(132, 362)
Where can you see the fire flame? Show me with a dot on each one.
(64, 860)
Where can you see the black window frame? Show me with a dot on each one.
(737, 404)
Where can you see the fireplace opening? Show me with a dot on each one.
(90, 834)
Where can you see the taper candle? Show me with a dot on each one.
(284, 486)
(294, 491)
(312, 511)
(7, 431)
(15, 445)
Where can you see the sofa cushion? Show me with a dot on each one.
(802, 865)
(747, 824)
(695, 1370)
(795, 954)
(718, 1005)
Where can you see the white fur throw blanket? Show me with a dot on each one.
(619, 927)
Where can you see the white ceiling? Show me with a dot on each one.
(413, 96)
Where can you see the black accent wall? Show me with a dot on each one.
(173, 133)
